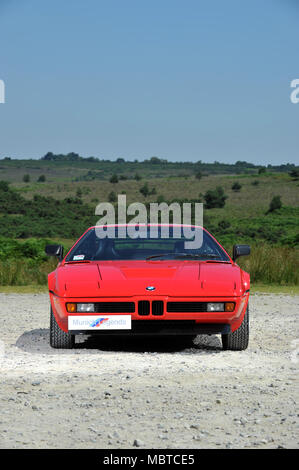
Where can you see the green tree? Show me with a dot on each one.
(155, 160)
(114, 179)
(41, 179)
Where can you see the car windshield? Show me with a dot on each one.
(92, 248)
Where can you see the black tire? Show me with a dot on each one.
(239, 339)
(58, 338)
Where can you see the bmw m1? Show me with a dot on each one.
(148, 286)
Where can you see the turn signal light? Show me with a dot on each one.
(229, 306)
(71, 308)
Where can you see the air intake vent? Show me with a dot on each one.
(114, 307)
(157, 307)
(143, 307)
(186, 307)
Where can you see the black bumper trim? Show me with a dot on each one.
(162, 327)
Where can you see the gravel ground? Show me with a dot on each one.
(115, 393)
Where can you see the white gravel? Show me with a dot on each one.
(117, 393)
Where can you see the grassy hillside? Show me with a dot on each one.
(61, 206)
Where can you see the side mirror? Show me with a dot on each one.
(54, 250)
(240, 250)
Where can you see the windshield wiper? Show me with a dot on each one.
(185, 255)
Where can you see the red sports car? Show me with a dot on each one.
(148, 286)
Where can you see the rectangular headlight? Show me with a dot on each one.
(215, 307)
(85, 307)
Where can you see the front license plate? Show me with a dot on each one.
(99, 322)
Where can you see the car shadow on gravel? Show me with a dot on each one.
(37, 341)
(150, 344)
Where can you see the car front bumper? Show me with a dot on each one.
(167, 322)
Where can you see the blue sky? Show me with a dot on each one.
(179, 79)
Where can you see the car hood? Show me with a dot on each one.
(129, 278)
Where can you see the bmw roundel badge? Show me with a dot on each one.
(150, 288)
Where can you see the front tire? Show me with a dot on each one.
(239, 339)
(58, 338)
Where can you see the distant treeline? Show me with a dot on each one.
(157, 164)
(239, 165)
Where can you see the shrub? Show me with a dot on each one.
(160, 199)
(112, 197)
(114, 179)
(236, 186)
(275, 204)
(294, 173)
(223, 224)
(26, 178)
(4, 186)
(215, 198)
(41, 179)
(144, 190)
